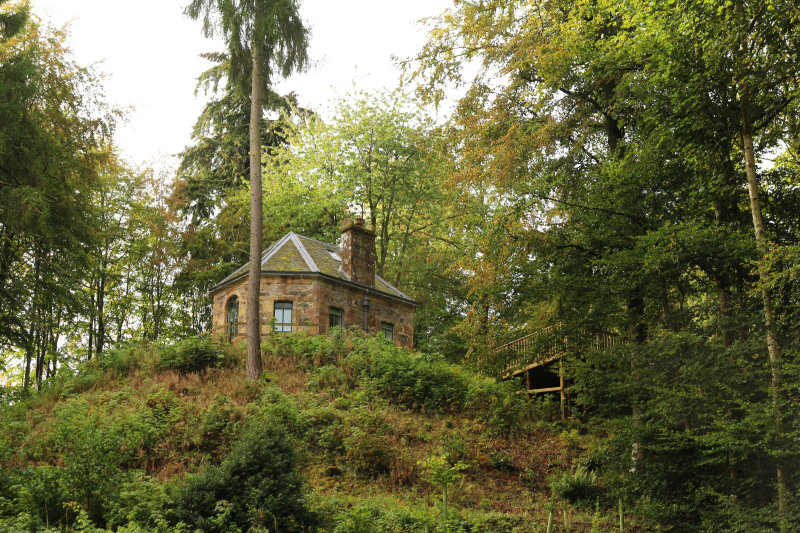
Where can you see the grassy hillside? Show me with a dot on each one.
(133, 441)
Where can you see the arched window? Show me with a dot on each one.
(232, 317)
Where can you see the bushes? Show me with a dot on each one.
(412, 381)
(578, 487)
(426, 382)
(258, 482)
(310, 351)
(497, 405)
(368, 455)
(194, 354)
(387, 515)
(123, 359)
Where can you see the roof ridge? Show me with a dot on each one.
(310, 263)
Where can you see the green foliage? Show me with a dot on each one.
(442, 470)
(326, 431)
(216, 425)
(124, 359)
(258, 482)
(368, 454)
(578, 487)
(455, 448)
(418, 381)
(309, 351)
(330, 379)
(497, 404)
(195, 354)
(275, 405)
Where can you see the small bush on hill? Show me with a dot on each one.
(330, 379)
(496, 404)
(257, 480)
(124, 359)
(368, 455)
(215, 425)
(275, 405)
(326, 431)
(427, 382)
(578, 487)
(412, 380)
(194, 354)
(310, 351)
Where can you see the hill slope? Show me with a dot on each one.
(112, 446)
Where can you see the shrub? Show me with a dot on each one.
(374, 515)
(415, 381)
(215, 424)
(496, 404)
(325, 430)
(123, 359)
(578, 487)
(276, 405)
(329, 378)
(368, 455)
(309, 351)
(195, 354)
(455, 448)
(257, 480)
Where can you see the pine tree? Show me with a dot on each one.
(264, 37)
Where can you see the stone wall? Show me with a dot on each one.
(312, 298)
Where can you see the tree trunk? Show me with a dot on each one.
(26, 383)
(253, 364)
(101, 298)
(89, 348)
(637, 335)
(761, 243)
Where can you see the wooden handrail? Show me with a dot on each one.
(548, 351)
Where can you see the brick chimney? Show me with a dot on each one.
(358, 251)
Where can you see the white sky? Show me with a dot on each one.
(149, 53)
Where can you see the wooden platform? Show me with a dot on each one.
(535, 350)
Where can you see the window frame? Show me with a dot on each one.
(390, 330)
(285, 305)
(335, 329)
(231, 326)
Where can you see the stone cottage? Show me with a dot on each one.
(310, 285)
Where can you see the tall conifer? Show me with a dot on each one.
(264, 37)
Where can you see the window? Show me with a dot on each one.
(283, 316)
(232, 317)
(387, 330)
(336, 321)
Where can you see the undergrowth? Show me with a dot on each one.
(173, 438)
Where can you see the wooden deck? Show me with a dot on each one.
(544, 347)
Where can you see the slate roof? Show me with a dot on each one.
(297, 254)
